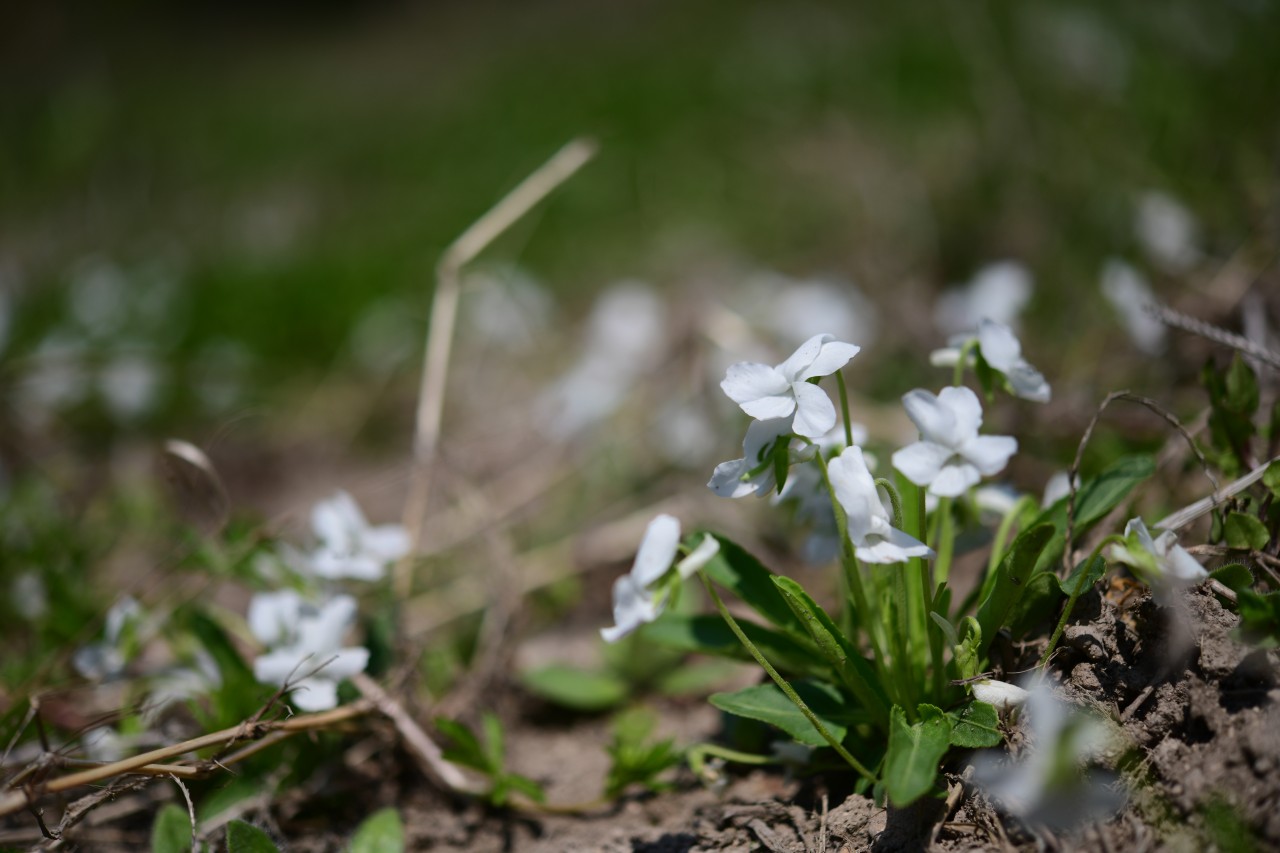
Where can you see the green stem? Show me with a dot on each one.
(1071, 601)
(844, 407)
(895, 500)
(966, 348)
(1002, 532)
(697, 757)
(782, 682)
(929, 576)
(944, 545)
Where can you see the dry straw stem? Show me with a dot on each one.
(1208, 331)
(444, 312)
(148, 763)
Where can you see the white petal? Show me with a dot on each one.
(954, 479)
(278, 666)
(273, 616)
(989, 453)
(387, 541)
(334, 565)
(1028, 383)
(1001, 694)
(314, 694)
(770, 408)
(815, 414)
(833, 356)
(632, 607)
(922, 462)
(746, 382)
(804, 356)
(999, 345)
(761, 434)
(936, 422)
(1184, 567)
(335, 520)
(344, 663)
(699, 557)
(657, 550)
(897, 547)
(965, 408)
(856, 491)
(323, 630)
(726, 480)
(945, 357)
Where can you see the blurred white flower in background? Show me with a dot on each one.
(1167, 231)
(1049, 784)
(350, 547)
(182, 683)
(1002, 351)
(794, 310)
(506, 308)
(107, 659)
(625, 339)
(1057, 488)
(999, 291)
(305, 646)
(1130, 295)
(950, 455)
(29, 595)
(685, 435)
(1161, 563)
(997, 499)
(128, 386)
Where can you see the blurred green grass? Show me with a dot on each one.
(301, 168)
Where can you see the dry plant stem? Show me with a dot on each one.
(1178, 320)
(444, 312)
(420, 745)
(17, 800)
(1074, 471)
(782, 683)
(1191, 512)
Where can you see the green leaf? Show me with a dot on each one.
(171, 831)
(494, 746)
(854, 670)
(974, 726)
(1245, 533)
(1092, 575)
(1037, 606)
(381, 832)
(1259, 618)
(767, 703)
(523, 785)
(1271, 477)
(697, 678)
(579, 689)
(246, 838)
(1234, 576)
(237, 790)
(968, 654)
(708, 634)
(740, 572)
(466, 749)
(911, 764)
(1241, 388)
(1012, 578)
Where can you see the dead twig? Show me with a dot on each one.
(1208, 331)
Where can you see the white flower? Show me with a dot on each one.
(753, 474)
(997, 499)
(1130, 295)
(1167, 231)
(794, 310)
(874, 538)
(1001, 694)
(634, 603)
(305, 642)
(950, 456)
(766, 392)
(1160, 563)
(349, 546)
(107, 659)
(30, 596)
(1057, 488)
(1000, 291)
(1047, 785)
(1002, 352)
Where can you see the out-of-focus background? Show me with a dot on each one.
(220, 222)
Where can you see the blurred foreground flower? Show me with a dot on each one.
(350, 547)
(874, 538)
(107, 659)
(305, 642)
(635, 600)
(950, 456)
(1160, 563)
(766, 392)
(1049, 784)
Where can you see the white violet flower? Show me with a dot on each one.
(350, 547)
(1002, 695)
(1161, 562)
(107, 659)
(1130, 295)
(1002, 351)
(950, 456)
(753, 474)
(999, 290)
(305, 642)
(766, 392)
(634, 602)
(874, 538)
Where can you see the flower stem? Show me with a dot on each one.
(844, 407)
(944, 545)
(1075, 594)
(966, 348)
(782, 682)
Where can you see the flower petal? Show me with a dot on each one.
(833, 356)
(278, 666)
(999, 345)
(856, 491)
(699, 557)
(954, 479)
(632, 607)
(896, 547)
(746, 382)
(657, 550)
(337, 520)
(387, 541)
(989, 453)
(922, 462)
(273, 616)
(800, 360)
(1028, 383)
(314, 694)
(935, 421)
(726, 480)
(965, 408)
(815, 414)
